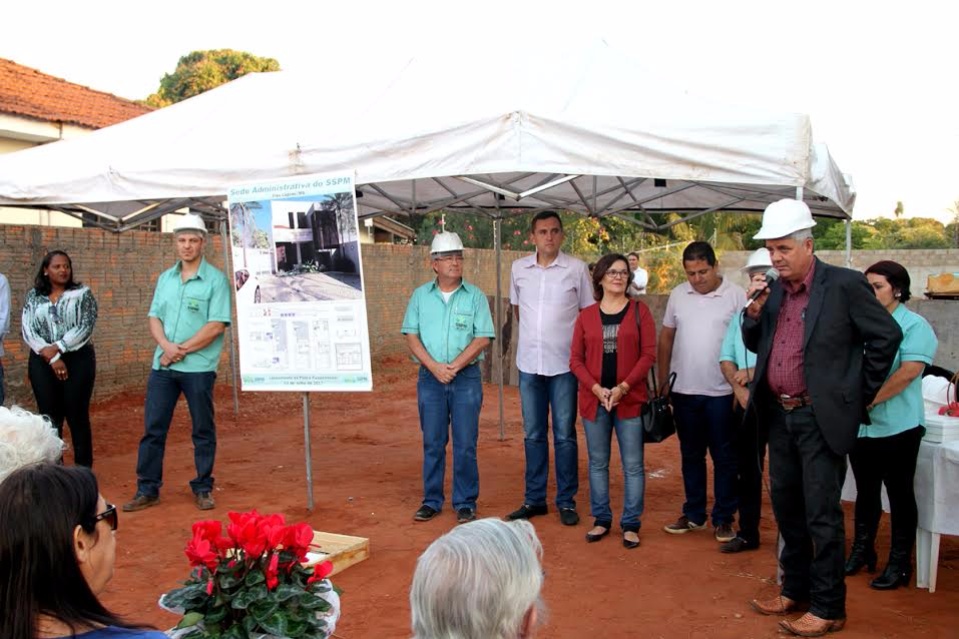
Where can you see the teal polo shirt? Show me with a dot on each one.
(184, 307)
(905, 410)
(447, 328)
(733, 349)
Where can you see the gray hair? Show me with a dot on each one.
(477, 581)
(26, 439)
(801, 235)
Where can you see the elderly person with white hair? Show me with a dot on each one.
(26, 439)
(481, 580)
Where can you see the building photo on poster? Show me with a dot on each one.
(298, 281)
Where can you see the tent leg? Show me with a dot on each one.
(848, 243)
(228, 264)
(499, 323)
(308, 447)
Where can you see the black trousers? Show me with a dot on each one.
(891, 461)
(751, 439)
(806, 478)
(67, 399)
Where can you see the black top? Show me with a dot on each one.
(610, 331)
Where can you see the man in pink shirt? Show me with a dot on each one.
(547, 291)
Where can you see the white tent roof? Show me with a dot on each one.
(586, 130)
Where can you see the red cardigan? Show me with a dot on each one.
(634, 358)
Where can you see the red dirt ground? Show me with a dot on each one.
(366, 466)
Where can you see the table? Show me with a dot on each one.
(937, 496)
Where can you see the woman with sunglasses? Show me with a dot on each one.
(57, 551)
(59, 316)
(613, 348)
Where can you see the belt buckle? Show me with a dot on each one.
(787, 403)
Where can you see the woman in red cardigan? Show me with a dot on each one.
(614, 346)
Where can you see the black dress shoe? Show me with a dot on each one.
(629, 543)
(568, 516)
(526, 511)
(738, 544)
(425, 513)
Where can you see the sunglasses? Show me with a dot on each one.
(109, 515)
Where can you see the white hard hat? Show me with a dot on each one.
(446, 242)
(758, 259)
(190, 222)
(783, 218)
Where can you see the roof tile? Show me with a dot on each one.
(30, 93)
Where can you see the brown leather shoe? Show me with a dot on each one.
(809, 625)
(778, 605)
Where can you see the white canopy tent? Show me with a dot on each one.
(509, 130)
(583, 130)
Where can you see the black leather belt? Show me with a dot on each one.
(792, 403)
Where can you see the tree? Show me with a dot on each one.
(201, 71)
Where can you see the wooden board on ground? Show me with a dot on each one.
(342, 550)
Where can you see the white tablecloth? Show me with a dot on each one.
(937, 496)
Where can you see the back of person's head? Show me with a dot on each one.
(481, 580)
(42, 506)
(26, 439)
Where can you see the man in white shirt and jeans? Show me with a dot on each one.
(697, 315)
(547, 291)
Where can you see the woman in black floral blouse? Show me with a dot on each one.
(58, 320)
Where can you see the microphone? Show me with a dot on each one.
(771, 276)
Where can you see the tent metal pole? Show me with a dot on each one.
(499, 347)
(228, 264)
(308, 448)
(848, 243)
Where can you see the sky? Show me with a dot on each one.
(878, 83)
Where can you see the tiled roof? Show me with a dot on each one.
(29, 93)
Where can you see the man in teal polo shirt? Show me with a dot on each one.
(447, 326)
(189, 313)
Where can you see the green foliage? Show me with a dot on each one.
(201, 71)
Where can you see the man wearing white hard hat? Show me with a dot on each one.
(447, 326)
(188, 315)
(736, 363)
(824, 345)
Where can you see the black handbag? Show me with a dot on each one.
(657, 417)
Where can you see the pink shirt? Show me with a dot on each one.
(549, 300)
(785, 371)
(701, 322)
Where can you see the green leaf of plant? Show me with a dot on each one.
(245, 597)
(216, 615)
(190, 619)
(263, 609)
(276, 624)
(227, 580)
(254, 577)
(286, 591)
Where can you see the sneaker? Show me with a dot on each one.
(464, 515)
(738, 545)
(140, 501)
(682, 525)
(724, 533)
(568, 516)
(204, 501)
(425, 513)
(526, 511)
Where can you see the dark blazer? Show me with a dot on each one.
(849, 346)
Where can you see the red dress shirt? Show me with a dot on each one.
(785, 373)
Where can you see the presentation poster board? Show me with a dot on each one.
(298, 281)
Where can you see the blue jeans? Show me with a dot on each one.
(163, 391)
(539, 394)
(442, 405)
(702, 423)
(629, 434)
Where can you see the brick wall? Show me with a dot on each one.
(122, 270)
